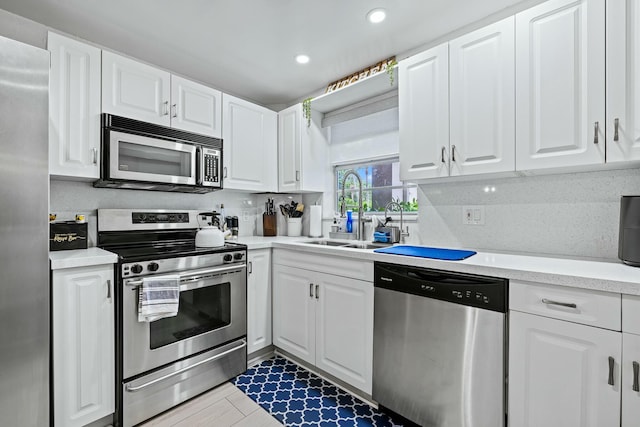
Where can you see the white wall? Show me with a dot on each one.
(566, 214)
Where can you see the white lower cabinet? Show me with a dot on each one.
(83, 344)
(325, 320)
(259, 300)
(562, 374)
(630, 380)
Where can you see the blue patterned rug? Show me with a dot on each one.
(297, 398)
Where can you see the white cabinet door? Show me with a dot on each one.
(482, 100)
(83, 345)
(423, 96)
(74, 108)
(303, 162)
(623, 81)
(135, 90)
(630, 380)
(344, 329)
(294, 312)
(289, 156)
(259, 300)
(560, 93)
(250, 146)
(559, 373)
(195, 107)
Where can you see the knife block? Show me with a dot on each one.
(269, 227)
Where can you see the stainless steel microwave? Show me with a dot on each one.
(145, 156)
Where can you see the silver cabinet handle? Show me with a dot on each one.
(225, 172)
(317, 291)
(453, 153)
(187, 368)
(297, 175)
(95, 155)
(562, 304)
(612, 362)
(616, 126)
(174, 108)
(442, 160)
(310, 290)
(166, 108)
(636, 368)
(250, 267)
(109, 289)
(596, 129)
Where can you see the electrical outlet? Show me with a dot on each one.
(473, 215)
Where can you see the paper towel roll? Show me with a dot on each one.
(315, 221)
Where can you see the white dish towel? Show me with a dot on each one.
(158, 297)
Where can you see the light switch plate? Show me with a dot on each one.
(473, 215)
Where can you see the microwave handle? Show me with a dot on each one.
(199, 166)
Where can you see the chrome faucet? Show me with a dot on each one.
(360, 231)
(402, 232)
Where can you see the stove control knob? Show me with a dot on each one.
(136, 269)
(227, 258)
(238, 256)
(153, 266)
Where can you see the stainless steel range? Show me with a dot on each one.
(162, 363)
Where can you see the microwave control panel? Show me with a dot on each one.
(210, 166)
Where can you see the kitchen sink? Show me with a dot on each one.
(351, 245)
(367, 245)
(327, 243)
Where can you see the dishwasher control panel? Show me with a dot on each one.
(490, 293)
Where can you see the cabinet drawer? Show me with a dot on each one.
(336, 265)
(631, 314)
(594, 308)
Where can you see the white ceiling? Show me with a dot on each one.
(247, 47)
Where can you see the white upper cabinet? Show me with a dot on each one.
(482, 100)
(74, 108)
(424, 114)
(250, 146)
(195, 107)
(623, 80)
(560, 93)
(142, 92)
(136, 90)
(302, 152)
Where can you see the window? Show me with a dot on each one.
(380, 185)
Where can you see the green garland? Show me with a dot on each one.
(390, 66)
(306, 110)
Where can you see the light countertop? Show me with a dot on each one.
(602, 275)
(81, 258)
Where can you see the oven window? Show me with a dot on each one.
(142, 158)
(200, 310)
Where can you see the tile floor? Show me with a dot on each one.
(224, 406)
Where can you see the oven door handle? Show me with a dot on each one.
(197, 275)
(185, 369)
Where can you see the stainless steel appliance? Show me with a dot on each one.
(162, 363)
(144, 156)
(439, 346)
(24, 263)
(629, 237)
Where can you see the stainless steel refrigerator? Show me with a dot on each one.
(24, 263)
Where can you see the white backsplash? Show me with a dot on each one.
(565, 214)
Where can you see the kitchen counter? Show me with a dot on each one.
(81, 258)
(602, 275)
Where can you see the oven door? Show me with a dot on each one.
(212, 311)
(140, 158)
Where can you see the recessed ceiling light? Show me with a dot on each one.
(302, 59)
(376, 15)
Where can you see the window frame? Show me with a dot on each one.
(366, 163)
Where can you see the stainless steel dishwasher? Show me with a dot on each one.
(439, 353)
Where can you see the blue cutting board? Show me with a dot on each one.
(426, 252)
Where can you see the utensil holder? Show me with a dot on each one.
(294, 227)
(269, 227)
